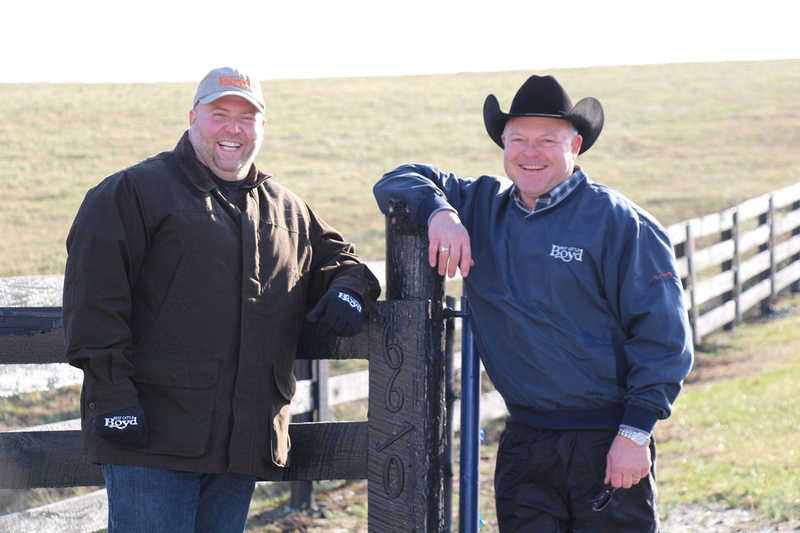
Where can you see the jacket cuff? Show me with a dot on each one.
(359, 279)
(639, 417)
(104, 400)
(428, 206)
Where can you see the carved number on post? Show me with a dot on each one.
(394, 395)
(394, 476)
(394, 473)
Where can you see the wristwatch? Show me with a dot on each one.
(639, 438)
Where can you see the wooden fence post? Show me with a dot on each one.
(764, 220)
(729, 266)
(407, 390)
(737, 262)
(773, 243)
(303, 491)
(694, 311)
(795, 287)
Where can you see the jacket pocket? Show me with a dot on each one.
(175, 391)
(285, 387)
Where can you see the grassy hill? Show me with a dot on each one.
(681, 140)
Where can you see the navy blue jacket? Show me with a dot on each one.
(577, 310)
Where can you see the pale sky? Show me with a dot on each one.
(148, 40)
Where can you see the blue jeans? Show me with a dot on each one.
(151, 500)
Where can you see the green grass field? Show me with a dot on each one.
(681, 140)
(734, 436)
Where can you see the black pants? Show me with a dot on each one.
(544, 480)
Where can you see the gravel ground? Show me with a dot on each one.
(717, 518)
(692, 518)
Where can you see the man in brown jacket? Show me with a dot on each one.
(188, 278)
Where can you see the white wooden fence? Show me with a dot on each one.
(738, 259)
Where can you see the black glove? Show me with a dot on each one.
(126, 426)
(339, 313)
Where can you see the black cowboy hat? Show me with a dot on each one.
(543, 96)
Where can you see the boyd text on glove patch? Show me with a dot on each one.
(349, 299)
(121, 422)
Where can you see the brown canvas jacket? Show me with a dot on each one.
(190, 305)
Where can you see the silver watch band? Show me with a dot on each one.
(638, 437)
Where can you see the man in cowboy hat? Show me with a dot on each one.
(577, 310)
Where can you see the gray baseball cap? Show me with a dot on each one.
(227, 81)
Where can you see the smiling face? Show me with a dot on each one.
(539, 154)
(226, 135)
